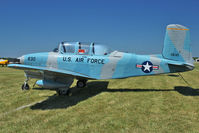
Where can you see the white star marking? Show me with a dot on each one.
(147, 67)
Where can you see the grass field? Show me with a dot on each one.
(162, 103)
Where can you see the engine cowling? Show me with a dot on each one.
(50, 84)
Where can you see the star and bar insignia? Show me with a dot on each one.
(147, 67)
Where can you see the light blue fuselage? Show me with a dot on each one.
(114, 65)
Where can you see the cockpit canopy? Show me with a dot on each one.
(82, 48)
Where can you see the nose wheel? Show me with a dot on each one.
(81, 83)
(25, 86)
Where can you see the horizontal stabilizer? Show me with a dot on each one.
(180, 67)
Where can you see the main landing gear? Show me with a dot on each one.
(64, 92)
(25, 86)
(81, 83)
(67, 91)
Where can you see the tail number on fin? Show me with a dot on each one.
(174, 54)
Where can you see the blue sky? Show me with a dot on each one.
(126, 25)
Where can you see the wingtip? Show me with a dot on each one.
(12, 65)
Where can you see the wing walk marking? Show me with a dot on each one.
(176, 29)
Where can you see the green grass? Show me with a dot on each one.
(162, 103)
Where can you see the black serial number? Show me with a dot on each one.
(174, 54)
(31, 58)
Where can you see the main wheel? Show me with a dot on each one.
(81, 83)
(25, 87)
(64, 92)
(69, 93)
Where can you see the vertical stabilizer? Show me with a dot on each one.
(177, 44)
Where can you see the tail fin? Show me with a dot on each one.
(177, 44)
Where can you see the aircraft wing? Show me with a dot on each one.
(49, 70)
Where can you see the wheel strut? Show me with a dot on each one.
(25, 86)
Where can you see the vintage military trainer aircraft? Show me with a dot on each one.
(78, 60)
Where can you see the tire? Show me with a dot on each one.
(81, 83)
(25, 87)
(69, 93)
(64, 92)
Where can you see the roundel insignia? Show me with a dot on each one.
(147, 67)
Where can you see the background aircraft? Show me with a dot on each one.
(3, 62)
(71, 60)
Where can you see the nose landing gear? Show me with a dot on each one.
(25, 86)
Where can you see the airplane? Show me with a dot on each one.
(58, 69)
(3, 62)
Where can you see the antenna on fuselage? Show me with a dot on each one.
(93, 49)
(63, 47)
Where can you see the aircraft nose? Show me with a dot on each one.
(21, 59)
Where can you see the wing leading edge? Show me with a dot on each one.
(58, 71)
